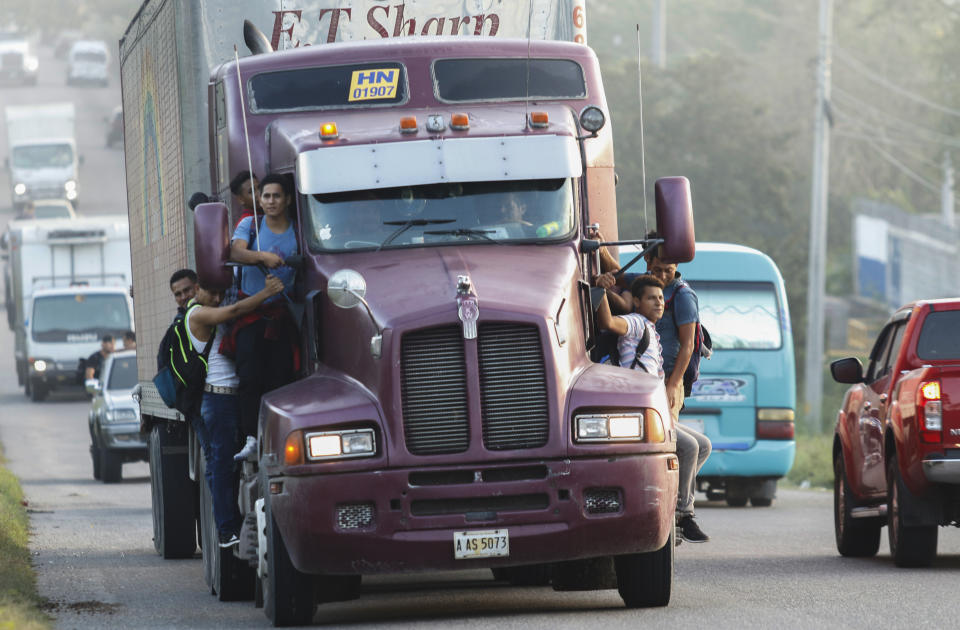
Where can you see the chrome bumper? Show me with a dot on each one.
(942, 470)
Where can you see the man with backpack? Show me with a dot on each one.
(220, 406)
(678, 330)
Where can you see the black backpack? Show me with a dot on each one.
(702, 344)
(181, 370)
(610, 350)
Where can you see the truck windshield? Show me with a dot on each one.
(740, 315)
(91, 56)
(123, 374)
(43, 156)
(439, 214)
(79, 317)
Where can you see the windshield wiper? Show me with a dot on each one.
(406, 225)
(466, 232)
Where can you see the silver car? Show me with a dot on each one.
(115, 417)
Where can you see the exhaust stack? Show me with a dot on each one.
(255, 40)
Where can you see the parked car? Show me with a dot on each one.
(115, 127)
(896, 449)
(115, 418)
(53, 209)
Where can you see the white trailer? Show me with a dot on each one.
(83, 256)
(42, 160)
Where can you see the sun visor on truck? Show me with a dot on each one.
(419, 162)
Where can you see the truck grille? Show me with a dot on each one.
(512, 388)
(434, 389)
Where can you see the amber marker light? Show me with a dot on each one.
(293, 449)
(539, 120)
(408, 124)
(654, 426)
(460, 122)
(328, 131)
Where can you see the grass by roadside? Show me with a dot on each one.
(813, 463)
(18, 583)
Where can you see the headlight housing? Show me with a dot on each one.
(39, 365)
(20, 188)
(318, 446)
(638, 426)
(69, 185)
(120, 415)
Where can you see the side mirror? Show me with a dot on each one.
(211, 231)
(675, 219)
(848, 370)
(92, 386)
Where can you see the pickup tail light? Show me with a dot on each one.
(929, 412)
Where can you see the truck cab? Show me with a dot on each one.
(67, 284)
(448, 414)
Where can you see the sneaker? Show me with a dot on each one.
(248, 451)
(690, 531)
(228, 540)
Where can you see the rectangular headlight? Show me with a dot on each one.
(609, 428)
(120, 415)
(341, 444)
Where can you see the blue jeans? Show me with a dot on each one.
(221, 417)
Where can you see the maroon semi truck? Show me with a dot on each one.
(896, 449)
(447, 414)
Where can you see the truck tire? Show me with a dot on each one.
(174, 520)
(111, 466)
(95, 456)
(288, 594)
(856, 538)
(229, 578)
(913, 546)
(38, 391)
(645, 580)
(736, 501)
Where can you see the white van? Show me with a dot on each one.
(88, 62)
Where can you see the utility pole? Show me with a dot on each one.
(946, 193)
(813, 373)
(658, 39)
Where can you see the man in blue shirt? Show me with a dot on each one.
(677, 329)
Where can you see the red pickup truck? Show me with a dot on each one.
(896, 448)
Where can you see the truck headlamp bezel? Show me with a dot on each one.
(612, 427)
(320, 446)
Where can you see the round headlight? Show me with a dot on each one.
(20, 189)
(40, 365)
(346, 288)
(71, 195)
(69, 185)
(592, 118)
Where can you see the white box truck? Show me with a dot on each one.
(67, 285)
(42, 160)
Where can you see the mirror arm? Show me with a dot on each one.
(376, 342)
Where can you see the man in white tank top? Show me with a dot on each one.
(220, 408)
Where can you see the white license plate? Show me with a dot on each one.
(490, 543)
(694, 423)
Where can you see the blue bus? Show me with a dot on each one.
(745, 398)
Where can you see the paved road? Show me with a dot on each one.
(92, 546)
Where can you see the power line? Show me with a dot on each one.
(862, 69)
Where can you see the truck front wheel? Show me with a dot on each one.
(38, 391)
(856, 538)
(174, 521)
(288, 595)
(913, 546)
(646, 579)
